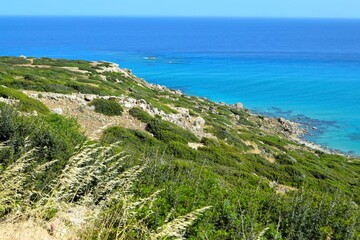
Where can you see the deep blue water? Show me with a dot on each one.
(304, 69)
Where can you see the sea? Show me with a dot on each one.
(306, 70)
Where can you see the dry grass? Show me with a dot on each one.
(91, 198)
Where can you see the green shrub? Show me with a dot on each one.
(54, 136)
(180, 150)
(57, 135)
(166, 132)
(14, 60)
(84, 88)
(229, 136)
(140, 114)
(26, 103)
(107, 107)
(129, 136)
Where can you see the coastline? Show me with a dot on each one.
(293, 130)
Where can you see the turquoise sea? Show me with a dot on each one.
(307, 70)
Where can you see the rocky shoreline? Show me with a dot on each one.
(291, 130)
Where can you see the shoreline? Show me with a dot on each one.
(308, 129)
(293, 130)
(297, 134)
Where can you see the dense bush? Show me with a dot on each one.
(130, 136)
(140, 114)
(166, 131)
(107, 107)
(54, 136)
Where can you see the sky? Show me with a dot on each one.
(193, 8)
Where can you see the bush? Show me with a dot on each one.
(180, 150)
(128, 136)
(14, 60)
(166, 132)
(54, 136)
(26, 103)
(140, 114)
(107, 107)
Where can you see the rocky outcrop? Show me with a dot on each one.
(77, 104)
(291, 127)
(9, 101)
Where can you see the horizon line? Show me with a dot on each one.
(153, 16)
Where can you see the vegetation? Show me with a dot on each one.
(167, 132)
(93, 180)
(141, 115)
(242, 181)
(25, 103)
(107, 107)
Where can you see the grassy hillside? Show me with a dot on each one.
(218, 171)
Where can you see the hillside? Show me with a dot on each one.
(93, 140)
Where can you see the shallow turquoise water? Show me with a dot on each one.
(305, 70)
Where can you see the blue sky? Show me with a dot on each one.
(218, 8)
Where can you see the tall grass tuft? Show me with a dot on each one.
(91, 198)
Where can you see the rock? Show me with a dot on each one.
(131, 100)
(143, 106)
(88, 98)
(199, 121)
(92, 108)
(156, 111)
(58, 111)
(160, 88)
(239, 105)
(184, 112)
(141, 101)
(113, 98)
(178, 92)
(128, 105)
(282, 120)
(81, 109)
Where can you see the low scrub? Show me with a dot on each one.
(141, 115)
(25, 103)
(54, 136)
(107, 107)
(167, 132)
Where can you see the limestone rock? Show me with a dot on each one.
(58, 111)
(239, 105)
(199, 121)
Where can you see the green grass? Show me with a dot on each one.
(26, 104)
